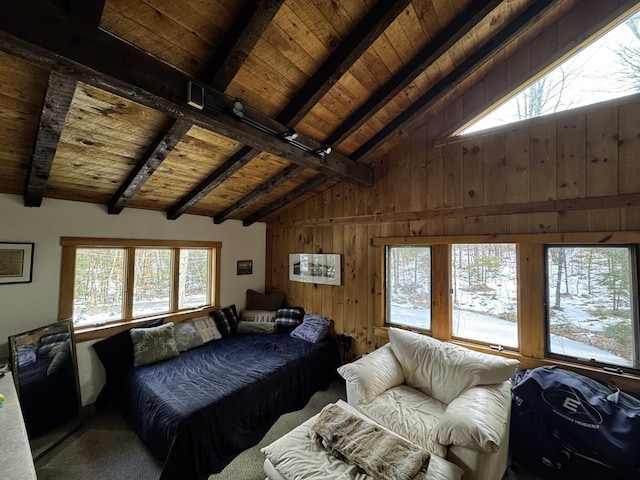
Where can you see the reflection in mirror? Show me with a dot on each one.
(46, 377)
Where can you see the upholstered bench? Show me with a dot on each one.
(296, 456)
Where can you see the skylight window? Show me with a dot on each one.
(606, 69)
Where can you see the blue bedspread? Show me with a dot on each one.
(201, 409)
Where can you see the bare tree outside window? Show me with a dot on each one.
(591, 303)
(583, 79)
(409, 286)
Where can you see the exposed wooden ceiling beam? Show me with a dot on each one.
(160, 149)
(441, 42)
(479, 57)
(372, 25)
(38, 32)
(307, 187)
(222, 173)
(477, 10)
(234, 50)
(56, 105)
(461, 72)
(57, 101)
(252, 20)
(88, 10)
(257, 193)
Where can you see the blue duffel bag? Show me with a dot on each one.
(575, 423)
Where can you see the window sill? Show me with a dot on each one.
(90, 332)
(626, 382)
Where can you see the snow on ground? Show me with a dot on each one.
(497, 331)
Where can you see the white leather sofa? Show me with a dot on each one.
(452, 401)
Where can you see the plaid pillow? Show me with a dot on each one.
(226, 320)
(288, 318)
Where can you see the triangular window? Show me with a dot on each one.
(606, 69)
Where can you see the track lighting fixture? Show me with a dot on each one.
(202, 98)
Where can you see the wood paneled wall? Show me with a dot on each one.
(575, 172)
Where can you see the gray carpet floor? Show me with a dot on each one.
(106, 448)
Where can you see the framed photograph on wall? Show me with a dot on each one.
(245, 267)
(315, 268)
(16, 262)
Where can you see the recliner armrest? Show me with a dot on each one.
(371, 375)
(477, 419)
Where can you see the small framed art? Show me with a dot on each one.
(245, 267)
(16, 262)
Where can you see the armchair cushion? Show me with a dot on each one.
(477, 419)
(443, 370)
(373, 374)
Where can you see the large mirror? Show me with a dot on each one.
(46, 377)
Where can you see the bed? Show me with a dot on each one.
(199, 410)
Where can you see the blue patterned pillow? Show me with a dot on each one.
(314, 328)
(226, 320)
(288, 318)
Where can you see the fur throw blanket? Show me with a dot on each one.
(378, 452)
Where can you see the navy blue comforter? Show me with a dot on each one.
(201, 409)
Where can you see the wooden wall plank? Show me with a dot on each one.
(571, 158)
(473, 182)
(418, 169)
(629, 140)
(602, 152)
(517, 177)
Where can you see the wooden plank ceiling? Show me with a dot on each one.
(93, 102)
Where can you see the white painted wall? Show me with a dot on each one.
(30, 305)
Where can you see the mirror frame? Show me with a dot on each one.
(68, 427)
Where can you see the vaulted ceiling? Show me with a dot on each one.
(186, 107)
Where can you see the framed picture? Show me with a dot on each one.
(16, 262)
(315, 268)
(245, 267)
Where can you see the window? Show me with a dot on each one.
(152, 281)
(592, 303)
(606, 69)
(114, 280)
(99, 285)
(485, 295)
(408, 286)
(195, 270)
(547, 297)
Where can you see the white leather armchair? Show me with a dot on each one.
(452, 401)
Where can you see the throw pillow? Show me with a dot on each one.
(187, 335)
(262, 301)
(288, 318)
(60, 354)
(151, 345)
(226, 320)
(314, 328)
(258, 316)
(207, 329)
(256, 327)
(27, 354)
(116, 355)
